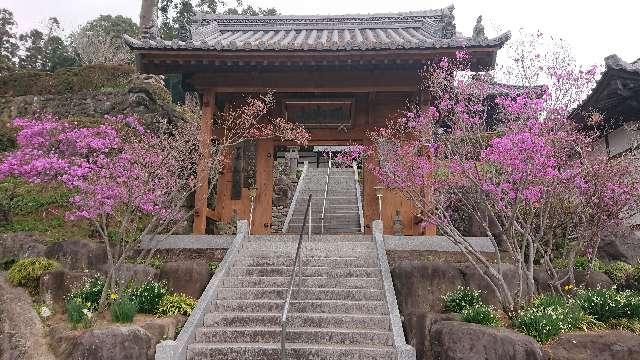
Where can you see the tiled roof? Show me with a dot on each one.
(615, 62)
(615, 95)
(411, 30)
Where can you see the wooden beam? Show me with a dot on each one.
(202, 191)
(306, 81)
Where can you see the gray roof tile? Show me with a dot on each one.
(409, 30)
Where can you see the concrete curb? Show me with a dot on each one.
(403, 350)
(188, 242)
(391, 243)
(177, 349)
(294, 201)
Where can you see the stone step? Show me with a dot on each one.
(344, 321)
(310, 246)
(290, 253)
(334, 230)
(374, 283)
(234, 351)
(336, 262)
(331, 201)
(331, 220)
(315, 238)
(307, 306)
(306, 271)
(301, 294)
(294, 335)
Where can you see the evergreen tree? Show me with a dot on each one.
(99, 41)
(8, 41)
(45, 51)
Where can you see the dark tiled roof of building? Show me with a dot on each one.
(614, 62)
(616, 94)
(410, 30)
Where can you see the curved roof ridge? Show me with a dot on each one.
(390, 15)
(614, 61)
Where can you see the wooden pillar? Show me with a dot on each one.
(202, 190)
(262, 211)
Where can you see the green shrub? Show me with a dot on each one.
(213, 267)
(123, 310)
(631, 325)
(618, 272)
(542, 324)
(148, 296)
(548, 316)
(582, 263)
(480, 314)
(560, 263)
(65, 81)
(546, 301)
(633, 280)
(78, 314)
(89, 294)
(27, 272)
(605, 305)
(176, 304)
(460, 299)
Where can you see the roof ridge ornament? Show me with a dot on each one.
(184, 33)
(478, 31)
(448, 23)
(149, 20)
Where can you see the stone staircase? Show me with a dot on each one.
(341, 311)
(342, 213)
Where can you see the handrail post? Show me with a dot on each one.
(324, 201)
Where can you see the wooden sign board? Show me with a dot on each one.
(320, 113)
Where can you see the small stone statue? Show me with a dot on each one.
(149, 20)
(398, 228)
(448, 26)
(184, 33)
(478, 30)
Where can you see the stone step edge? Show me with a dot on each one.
(296, 329)
(291, 346)
(304, 267)
(278, 314)
(301, 289)
(303, 277)
(376, 302)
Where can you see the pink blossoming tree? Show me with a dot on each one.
(510, 159)
(130, 182)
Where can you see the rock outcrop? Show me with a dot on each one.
(20, 245)
(78, 254)
(186, 277)
(453, 340)
(420, 285)
(602, 345)
(21, 332)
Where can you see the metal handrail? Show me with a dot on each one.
(324, 201)
(297, 262)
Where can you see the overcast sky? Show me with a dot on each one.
(593, 28)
